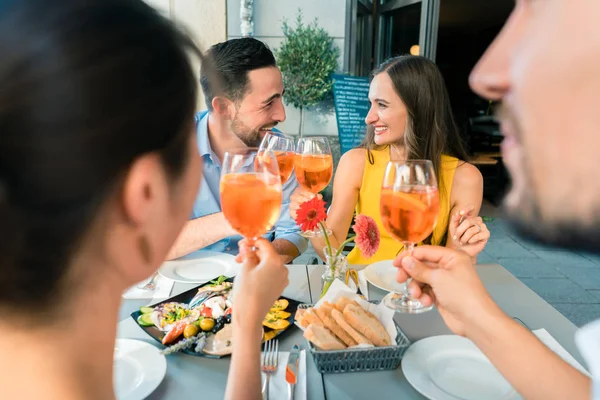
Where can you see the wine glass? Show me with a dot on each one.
(250, 191)
(314, 168)
(283, 148)
(409, 210)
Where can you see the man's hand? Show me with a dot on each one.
(300, 196)
(446, 278)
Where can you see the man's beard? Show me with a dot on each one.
(574, 234)
(527, 219)
(250, 137)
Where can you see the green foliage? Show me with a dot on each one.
(307, 58)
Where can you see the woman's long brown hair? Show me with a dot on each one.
(431, 130)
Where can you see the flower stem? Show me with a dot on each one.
(326, 238)
(325, 288)
(344, 245)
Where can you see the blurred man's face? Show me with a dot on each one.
(261, 108)
(545, 67)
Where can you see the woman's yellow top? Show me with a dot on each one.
(368, 204)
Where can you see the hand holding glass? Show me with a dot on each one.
(314, 168)
(250, 191)
(409, 210)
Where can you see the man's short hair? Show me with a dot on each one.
(230, 63)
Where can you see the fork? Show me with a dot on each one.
(151, 284)
(270, 361)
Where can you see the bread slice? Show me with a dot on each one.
(342, 303)
(312, 317)
(339, 318)
(300, 317)
(366, 325)
(324, 312)
(322, 338)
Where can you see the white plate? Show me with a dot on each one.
(138, 369)
(200, 266)
(452, 368)
(382, 274)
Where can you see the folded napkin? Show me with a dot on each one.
(553, 345)
(161, 292)
(278, 387)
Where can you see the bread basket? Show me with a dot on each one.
(359, 359)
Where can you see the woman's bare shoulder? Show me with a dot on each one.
(351, 166)
(467, 175)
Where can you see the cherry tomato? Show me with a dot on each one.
(206, 312)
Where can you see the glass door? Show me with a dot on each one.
(360, 18)
(407, 27)
(377, 30)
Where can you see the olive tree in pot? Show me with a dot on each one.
(307, 58)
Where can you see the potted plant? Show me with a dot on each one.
(307, 58)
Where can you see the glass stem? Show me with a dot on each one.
(409, 246)
(252, 255)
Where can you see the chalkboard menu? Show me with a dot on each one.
(351, 98)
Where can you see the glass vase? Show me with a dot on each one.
(335, 268)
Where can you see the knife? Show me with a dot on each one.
(291, 371)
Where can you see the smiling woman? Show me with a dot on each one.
(410, 118)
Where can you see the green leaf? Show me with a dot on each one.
(307, 58)
(219, 280)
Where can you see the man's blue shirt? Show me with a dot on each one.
(208, 200)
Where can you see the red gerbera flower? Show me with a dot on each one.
(367, 235)
(310, 214)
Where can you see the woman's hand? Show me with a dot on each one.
(300, 196)
(260, 282)
(468, 233)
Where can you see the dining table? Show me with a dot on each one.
(192, 377)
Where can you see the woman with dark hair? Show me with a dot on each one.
(98, 172)
(410, 118)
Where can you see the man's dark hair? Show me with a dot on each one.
(231, 61)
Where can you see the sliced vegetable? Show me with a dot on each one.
(206, 312)
(279, 305)
(146, 310)
(175, 332)
(145, 320)
(276, 324)
(271, 334)
(278, 315)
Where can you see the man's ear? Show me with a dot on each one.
(223, 107)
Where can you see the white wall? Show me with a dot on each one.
(204, 20)
(268, 17)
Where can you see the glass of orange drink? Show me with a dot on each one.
(409, 207)
(283, 148)
(250, 191)
(313, 165)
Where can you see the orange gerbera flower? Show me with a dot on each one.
(310, 214)
(367, 235)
